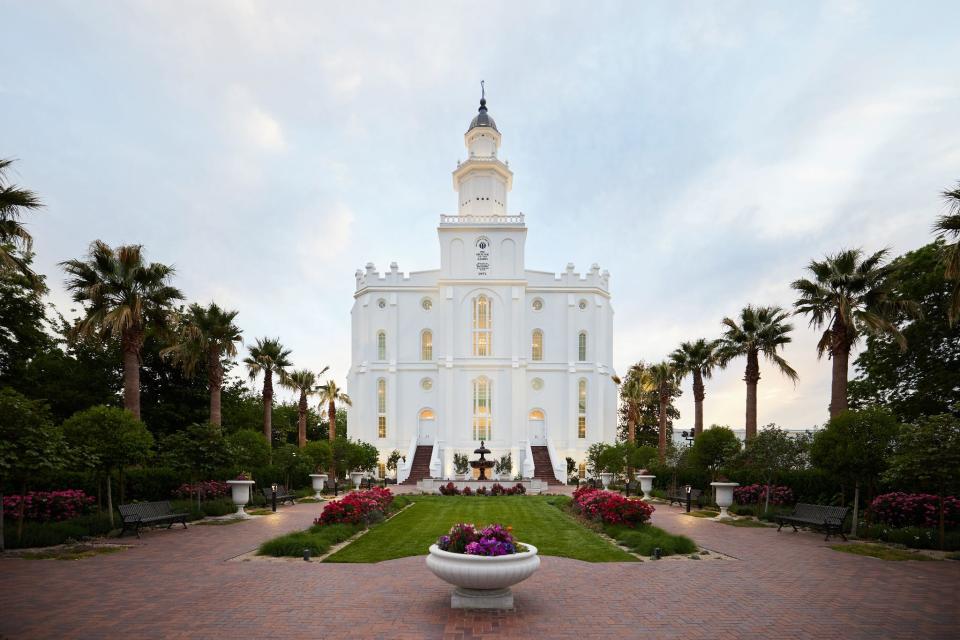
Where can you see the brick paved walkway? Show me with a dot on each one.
(178, 583)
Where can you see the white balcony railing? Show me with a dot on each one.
(484, 220)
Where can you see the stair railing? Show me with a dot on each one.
(436, 459)
(527, 466)
(404, 467)
(559, 466)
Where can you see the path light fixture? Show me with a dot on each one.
(657, 552)
(306, 555)
(273, 497)
(689, 492)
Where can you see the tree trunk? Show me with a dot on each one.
(302, 421)
(130, 343)
(268, 406)
(110, 497)
(766, 506)
(631, 427)
(332, 418)
(840, 353)
(856, 509)
(751, 376)
(215, 381)
(664, 399)
(698, 395)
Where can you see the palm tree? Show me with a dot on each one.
(662, 378)
(847, 296)
(267, 357)
(948, 228)
(206, 335)
(699, 360)
(331, 394)
(761, 330)
(14, 237)
(303, 382)
(123, 296)
(633, 392)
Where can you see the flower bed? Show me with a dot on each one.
(493, 540)
(357, 507)
(207, 488)
(611, 508)
(49, 506)
(498, 489)
(900, 509)
(757, 494)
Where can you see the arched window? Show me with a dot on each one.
(482, 415)
(482, 326)
(381, 345)
(427, 414)
(381, 408)
(582, 409)
(582, 346)
(426, 345)
(536, 414)
(536, 345)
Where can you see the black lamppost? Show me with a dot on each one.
(688, 436)
(273, 497)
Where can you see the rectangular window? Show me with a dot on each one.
(381, 408)
(582, 409)
(482, 327)
(582, 347)
(426, 345)
(381, 346)
(536, 348)
(482, 416)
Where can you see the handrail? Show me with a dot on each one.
(404, 468)
(559, 466)
(527, 471)
(436, 460)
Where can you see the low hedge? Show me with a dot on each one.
(912, 537)
(318, 539)
(47, 534)
(644, 539)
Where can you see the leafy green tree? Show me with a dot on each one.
(759, 331)
(291, 461)
(928, 457)
(248, 450)
(304, 383)
(925, 379)
(597, 458)
(644, 403)
(856, 447)
(849, 297)
(772, 451)
(393, 460)
(206, 335)
(641, 457)
(320, 454)
(948, 229)
(697, 359)
(114, 437)
(23, 322)
(713, 448)
(199, 450)
(341, 452)
(30, 445)
(363, 456)
(15, 241)
(267, 358)
(123, 296)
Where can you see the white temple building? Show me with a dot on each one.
(482, 348)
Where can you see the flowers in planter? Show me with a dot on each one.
(757, 494)
(357, 507)
(497, 489)
(44, 506)
(611, 508)
(901, 509)
(493, 540)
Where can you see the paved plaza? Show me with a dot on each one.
(180, 584)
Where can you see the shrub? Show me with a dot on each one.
(913, 537)
(317, 539)
(48, 506)
(152, 483)
(644, 540)
(611, 508)
(449, 489)
(757, 494)
(900, 509)
(208, 489)
(467, 491)
(46, 534)
(357, 507)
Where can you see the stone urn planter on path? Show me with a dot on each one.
(357, 478)
(318, 479)
(482, 582)
(606, 478)
(646, 485)
(240, 492)
(724, 496)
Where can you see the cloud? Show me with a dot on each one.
(325, 237)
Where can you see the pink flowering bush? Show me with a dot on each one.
(46, 506)
(901, 509)
(757, 494)
(357, 507)
(493, 540)
(611, 508)
(497, 489)
(206, 488)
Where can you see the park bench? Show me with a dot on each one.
(282, 495)
(679, 495)
(821, 516)
(141, 514)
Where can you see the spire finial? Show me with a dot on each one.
(483, 97)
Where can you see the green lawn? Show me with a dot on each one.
(535, 519)
(879, 551)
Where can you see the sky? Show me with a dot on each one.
(702, 152)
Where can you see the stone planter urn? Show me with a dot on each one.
(606, 478)
(240, 491)
(724, 495)
(318, 479)
(356, 477)
(482, 582)
(646, 485)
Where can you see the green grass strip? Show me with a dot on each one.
(879, 551)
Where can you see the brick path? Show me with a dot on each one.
(178, 584)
